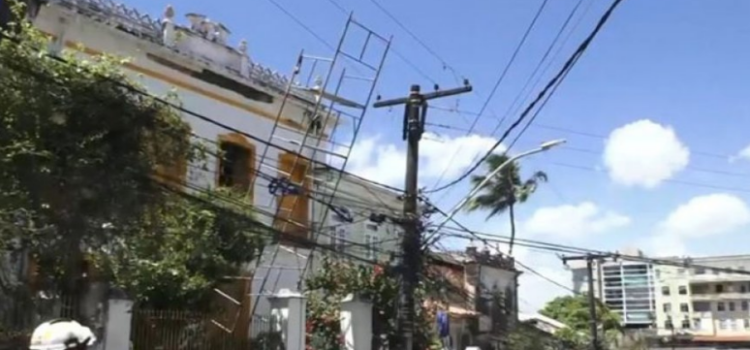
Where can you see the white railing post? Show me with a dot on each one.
(356, 322)
(288, 311)
(117, 327)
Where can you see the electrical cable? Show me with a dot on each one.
(189, 112)
(499, 81)
(539, 64)
(685, 262)
(563, 72)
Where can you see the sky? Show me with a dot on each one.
(655, 113)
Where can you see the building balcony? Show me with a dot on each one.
(723, 278)
(720, 296)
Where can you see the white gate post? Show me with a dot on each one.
(288, 310)
(356, 323)
(117, 328)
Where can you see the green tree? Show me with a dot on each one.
(79, 148)
(527, 337)
(573, 311)
(337, 279)
(182, 252)
(504, 190)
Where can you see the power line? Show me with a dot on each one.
(516, 261)
(542, 276)
(497, 84)
(303, 25)
(412, 35)
(564, 130)
(189, 112)
(540, 63)
(184, 110)
(550, 85)
(685, 262)
(673, 181)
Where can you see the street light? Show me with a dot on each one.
(542, 148)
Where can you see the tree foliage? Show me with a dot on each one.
(573, 311)
(337, 279)
(504, 190)
(78, 152)
(184, 250)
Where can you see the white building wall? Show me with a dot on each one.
(713, 311)
(222, 105)
(360, 199)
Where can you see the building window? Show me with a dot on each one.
(665, 291)
(719, 288)
(371, 243)
(338, 238)
(668, 323)
(667, 307)
(699, 271)
(747, 323)
(720, 306)
(731, 306)
(723, 324)
(294, 208)
(744, 305)
(743, 288)
(696, 323)
(684, 307)
(701, 306)
(372, 226)
(686, 323)
(235, 163)
(682, 290)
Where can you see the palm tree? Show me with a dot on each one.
(504, 191)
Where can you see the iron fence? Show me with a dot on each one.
(20, 313)
(184, 330)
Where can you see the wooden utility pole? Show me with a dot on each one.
(415, 114)
(590, 258)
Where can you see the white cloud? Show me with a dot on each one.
(386, 162)
(644, 153)
(701, 217)
(708, 215)
(571, 221)
(744, 154)
(665, 245)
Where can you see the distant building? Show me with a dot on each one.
(359, 221)
(706, 305)
(695, 306)
(482, 291)
(543, 323)
(626, 287)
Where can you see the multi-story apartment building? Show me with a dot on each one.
(626, 287)
(708, 305)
